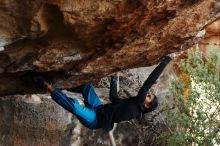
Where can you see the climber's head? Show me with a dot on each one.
(150, 101)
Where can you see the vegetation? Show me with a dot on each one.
(195, 117)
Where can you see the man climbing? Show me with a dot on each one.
(95, 115)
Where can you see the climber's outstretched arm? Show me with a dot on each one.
(111, 136)
(152, 79)
(112, 139)
(113, 94)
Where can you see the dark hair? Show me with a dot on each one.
(154, 103)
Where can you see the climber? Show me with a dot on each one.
(95, 115)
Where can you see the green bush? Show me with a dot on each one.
(195, 119)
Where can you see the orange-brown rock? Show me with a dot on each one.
(212, 36)
(71, 42)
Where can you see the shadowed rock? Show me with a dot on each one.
(72, 42)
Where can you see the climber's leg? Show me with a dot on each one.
(91, 99)
(86, 115)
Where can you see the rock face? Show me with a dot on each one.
(212, 36)
(76, 41)
(36, 120)
(25, 122)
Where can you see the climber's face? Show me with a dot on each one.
(149, 98)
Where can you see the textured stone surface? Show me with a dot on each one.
(37, 121)
(212, 36)
(25, 122)
(77, 41)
